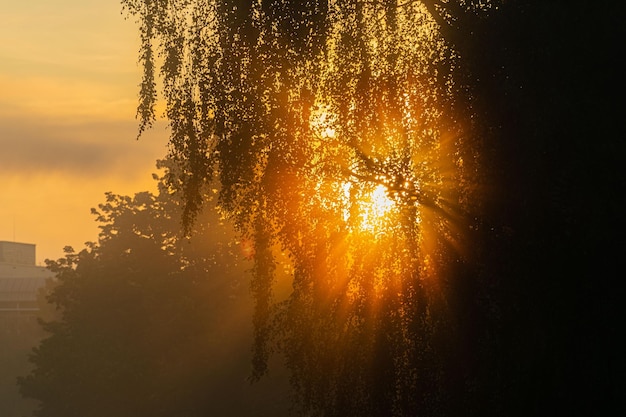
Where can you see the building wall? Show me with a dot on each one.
(17, 253)
(20, 278)
(20, 281)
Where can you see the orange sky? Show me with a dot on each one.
(68, 92)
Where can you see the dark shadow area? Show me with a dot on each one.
(546, 79)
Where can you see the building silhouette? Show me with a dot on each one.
(20, 281)
(20, 278)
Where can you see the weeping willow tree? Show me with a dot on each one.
(333, 132)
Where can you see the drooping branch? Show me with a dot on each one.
(147, 92)
(245, 81)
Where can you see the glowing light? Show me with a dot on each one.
(247, 248)
(375, 208)
(322, 122)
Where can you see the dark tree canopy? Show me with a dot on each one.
(359, 138)
(148, 321)
(333, 130)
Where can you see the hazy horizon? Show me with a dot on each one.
(68, 76)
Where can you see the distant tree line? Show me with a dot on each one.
(149, 322)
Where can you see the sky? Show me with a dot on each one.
(68, 95)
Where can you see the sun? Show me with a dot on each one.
(368, 208)
(375, 207)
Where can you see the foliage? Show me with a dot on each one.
(335, 134)
(18, 334)
(146, 317)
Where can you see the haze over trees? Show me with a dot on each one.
(149, 322)
(412, 169)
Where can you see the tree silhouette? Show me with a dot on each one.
(419, 301)
(148, 319)
(334, 134)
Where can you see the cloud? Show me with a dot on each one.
(68, 93)
(91, 148)
(53, 172)
(68, 96)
